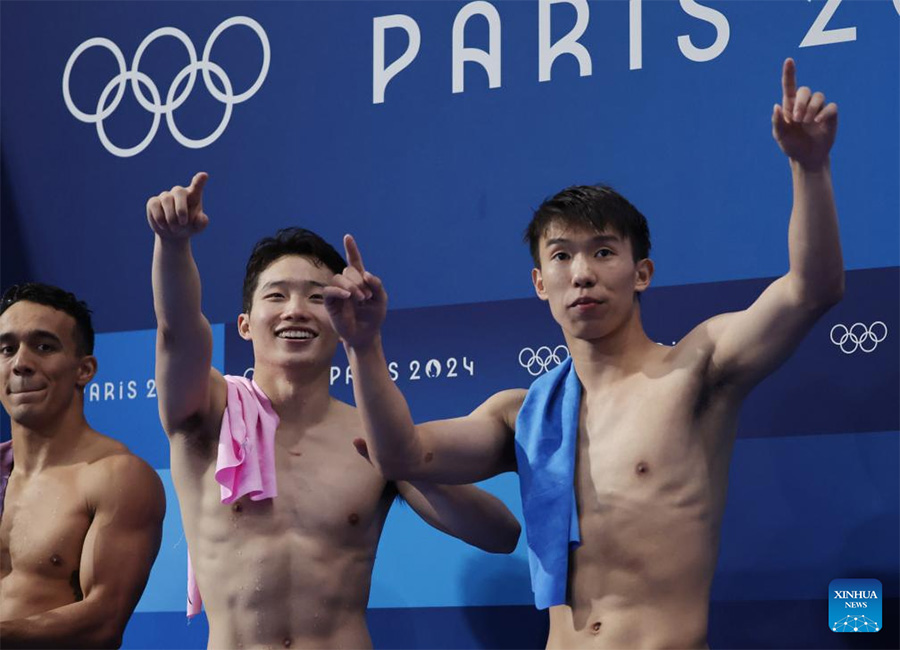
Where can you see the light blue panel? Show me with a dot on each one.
(418, 566)
(167, 587)
(121, 401)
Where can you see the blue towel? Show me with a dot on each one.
(546, 438)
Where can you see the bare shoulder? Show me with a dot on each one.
(114, 475)
(697, 351)
(697, 346)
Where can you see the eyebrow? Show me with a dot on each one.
(31, 334)
(599, 239)
(288, 283)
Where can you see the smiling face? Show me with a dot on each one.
(589, 278)
(288, 323)
(43, 370)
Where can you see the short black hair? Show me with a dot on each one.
(596, 206)
(64, 301)
(288, 241)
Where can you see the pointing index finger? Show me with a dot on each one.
(789, 86)
(354, 258)
(198, 183)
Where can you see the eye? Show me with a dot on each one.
(317, 297)
(604, 252)
(46, 347)
(275, 295)
(7, 350)
(559, 256)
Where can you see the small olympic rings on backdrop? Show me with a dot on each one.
(538, 361)
(858, 336)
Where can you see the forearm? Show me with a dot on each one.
(85, 624)
(176, 286)
(472, 515)
(394, 444)
(816, 263)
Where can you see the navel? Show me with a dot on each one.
(237, 508)
(55, 560)
(595, 628)
(429, 457)
(642, 468)
(353, 519)
(286, 643)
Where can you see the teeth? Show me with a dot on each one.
(295, 334)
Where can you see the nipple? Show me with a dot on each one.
(353, 519)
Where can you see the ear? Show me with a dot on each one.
(87, 368)
(643, 274)
(243, 325)
(537, 279)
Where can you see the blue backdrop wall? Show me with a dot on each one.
(372, 118)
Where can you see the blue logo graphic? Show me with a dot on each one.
(854, 605)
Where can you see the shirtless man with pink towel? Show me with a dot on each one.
(281, 514)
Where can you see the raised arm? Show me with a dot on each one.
(749, 345)
(186, 383)
(461, 450)
(119, 549)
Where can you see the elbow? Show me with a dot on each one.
(506, 541)
(832, 294)
(109, 633)
(820, 296)
(104, 635)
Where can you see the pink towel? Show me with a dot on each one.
(246, 458)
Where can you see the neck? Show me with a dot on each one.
(299, 394)
(36, 448)
(611, 357)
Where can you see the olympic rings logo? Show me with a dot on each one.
(538, 361)
(137, 78)
(858, 336)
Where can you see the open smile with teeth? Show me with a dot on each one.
(296, 334)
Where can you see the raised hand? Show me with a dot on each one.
(803, 125)
(356, 301)
(178, 213)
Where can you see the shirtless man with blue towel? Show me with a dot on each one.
(623, 450)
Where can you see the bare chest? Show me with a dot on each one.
(646, 442)
(45, 520)
(326, 492)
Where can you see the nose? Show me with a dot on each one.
(23, 364)
(296, 309)
(583, 274)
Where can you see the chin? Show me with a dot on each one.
(30, 417)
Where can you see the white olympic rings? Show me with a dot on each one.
(859, 335)
(540, 359)
(154, 105)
